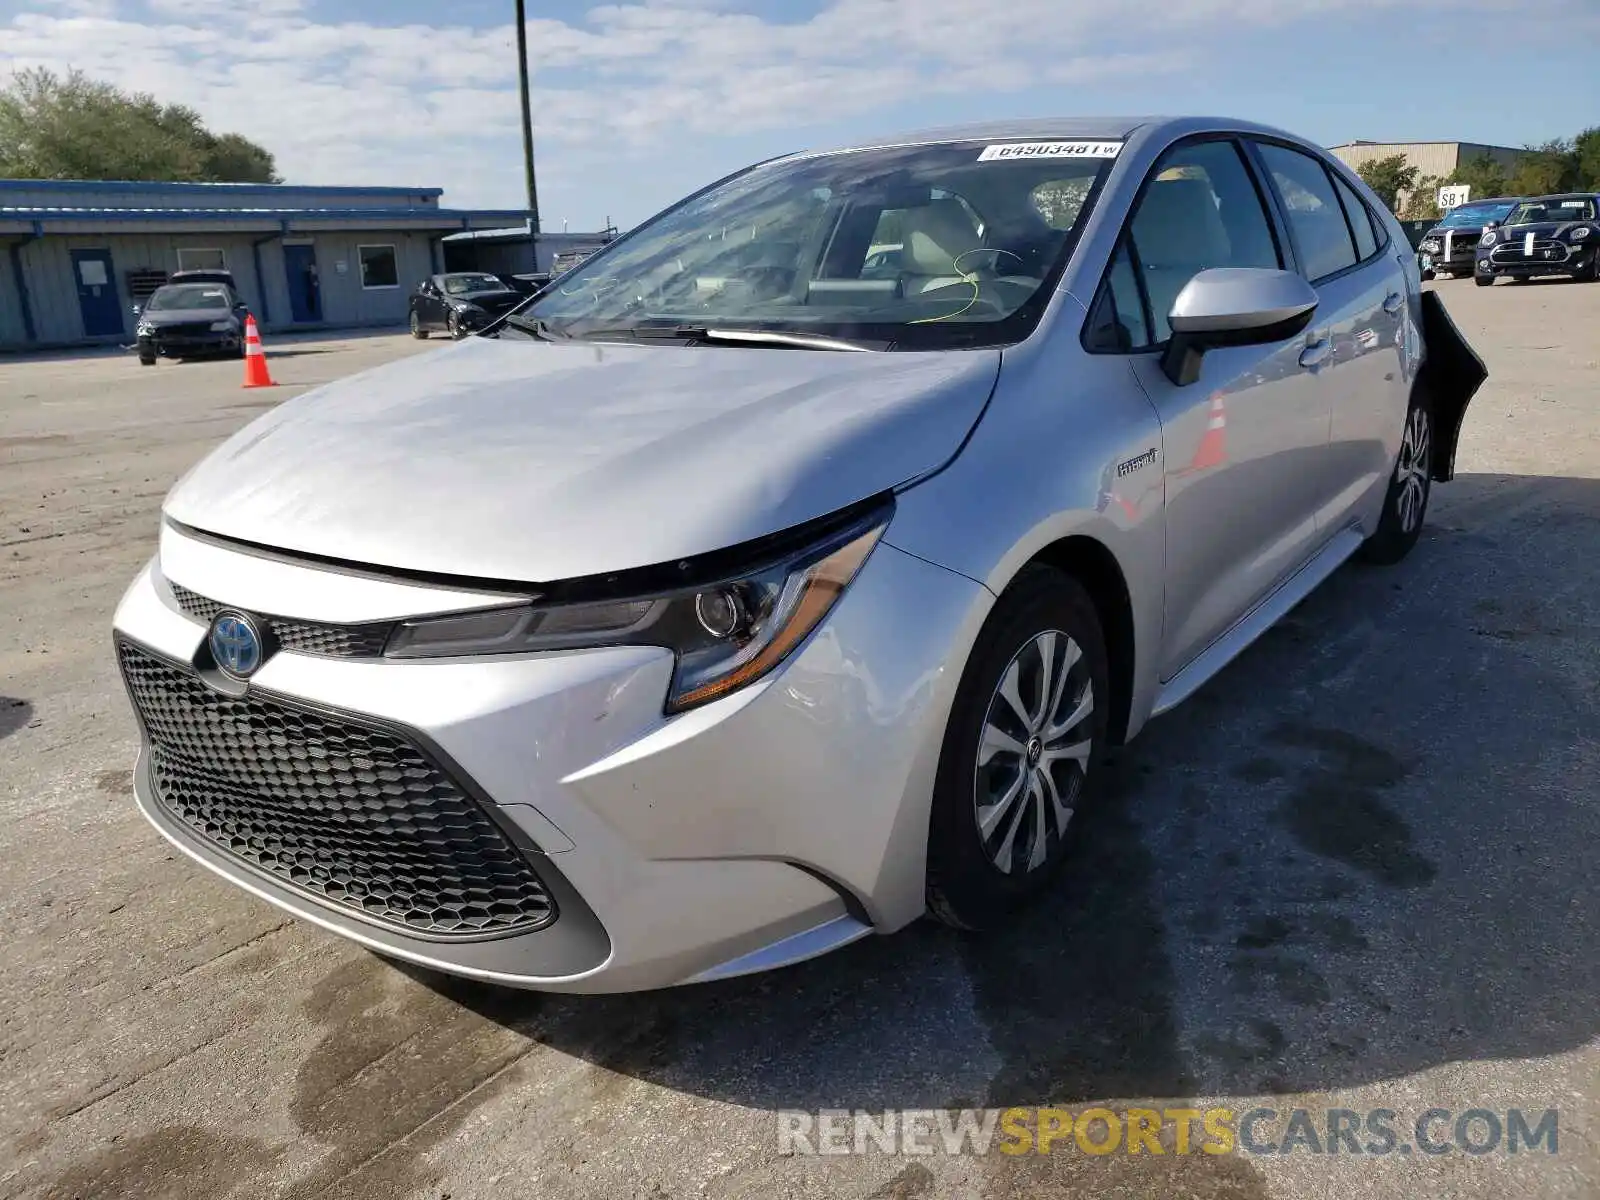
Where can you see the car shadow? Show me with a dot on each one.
(14, 715)
(1362, 851)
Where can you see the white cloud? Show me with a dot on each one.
(367, 102)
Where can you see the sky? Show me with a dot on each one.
(637, 102)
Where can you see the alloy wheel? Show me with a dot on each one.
(1034, 753)
(1411, 471)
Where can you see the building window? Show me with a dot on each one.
(378, 267)
(191, 259)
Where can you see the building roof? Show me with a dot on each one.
(1362, 142)
(200, 189)
(35, 219)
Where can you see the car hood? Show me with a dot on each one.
(494, 301)
(184, 316)
(1542, 230)
(537, 461)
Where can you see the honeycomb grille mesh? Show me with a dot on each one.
(303, 637)
(356, 817)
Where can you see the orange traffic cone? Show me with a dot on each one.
(1212, 450)
(255, 361)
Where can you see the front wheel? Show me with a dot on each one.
(147, 360)
(1028, 719)
(417, 331)
(452, 325)
(1484, 280)
(1406, 503)
(1591, 273)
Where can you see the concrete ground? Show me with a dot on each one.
(1355, 871)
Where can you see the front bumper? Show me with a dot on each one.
(1517, 265)
(181, 345)
(772, 825)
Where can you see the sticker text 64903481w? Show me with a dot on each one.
(1078, 149)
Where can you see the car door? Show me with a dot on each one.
(1242, 446)
(1354, 349)
(427, 304)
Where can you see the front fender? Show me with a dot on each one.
(1452, 373)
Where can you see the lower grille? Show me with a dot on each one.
(359, 818)
(1515, 251)
(302, 637)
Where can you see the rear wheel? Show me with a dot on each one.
(1411, 483)
(417, 331)
(1028, 719)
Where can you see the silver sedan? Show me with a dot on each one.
(781, 574)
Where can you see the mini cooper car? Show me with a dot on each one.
(1449, 248)
(1547, 235)
(190, 320)
(460, 303)
(731, 601)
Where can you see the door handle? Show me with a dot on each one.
(1316, 353)
(1392, 303)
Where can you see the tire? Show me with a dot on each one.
(1591, 273)
(1483, 280)
(1405, 505)
(967, 887)
(452, 326)
(147, 360)
(417, 331)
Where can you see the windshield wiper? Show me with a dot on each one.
(534, 325)
(750, 337)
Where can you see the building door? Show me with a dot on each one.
(97, 293)
(305, 294)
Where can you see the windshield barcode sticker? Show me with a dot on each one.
(1051, 150)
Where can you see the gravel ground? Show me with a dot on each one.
(1355, 871)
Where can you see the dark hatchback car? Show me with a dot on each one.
(1450, 246)
(1546, 235)
(191, 320)
(460, 303)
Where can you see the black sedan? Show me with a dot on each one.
(1549, 235)
(460, 303)
(188, 320)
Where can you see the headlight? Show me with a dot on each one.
(222, 326)
(1430, 246)
(725, 635)
(1580, 233)
(1489, 238)
(145, 330)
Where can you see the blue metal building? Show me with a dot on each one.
(76, 256)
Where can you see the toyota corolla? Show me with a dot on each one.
(734, 600)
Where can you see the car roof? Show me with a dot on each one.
(1108, 128)
(1562, 196)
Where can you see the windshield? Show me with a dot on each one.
(187, 296)
(1475, 216)
(1558, 209)
(925, 246)
(461, 285)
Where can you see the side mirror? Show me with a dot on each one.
(1233, 306)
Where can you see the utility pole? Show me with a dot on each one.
(527, 123)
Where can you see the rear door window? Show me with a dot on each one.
(1320, 232)
(1360, 220)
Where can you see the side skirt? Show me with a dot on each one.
(1257, 621)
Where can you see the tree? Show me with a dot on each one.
(1586, 152)
(71, 127)
(1422, 204)
(1483, 174)
(1388, 177)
